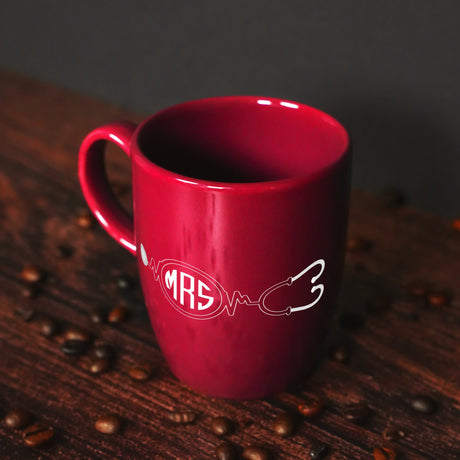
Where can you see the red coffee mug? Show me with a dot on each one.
(240, 215)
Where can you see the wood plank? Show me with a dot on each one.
(407, 349)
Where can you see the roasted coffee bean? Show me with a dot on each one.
(25, 312)
(311, 408)
(438, 298)
(356, 412)
(284, 424)
(98, 315)
(30, 291)
(358, 244)
(351, 320)
(32, 273)
(74, 347)
(392, 434)
(75, 333)
(456, 224)
(417, 288)
(85, 219)
(108, 424)
(182, 417)
(18, 418)
(103, 350)
(118, 314)
(125, 282)
(384, 453)
(340, 352)
(47, 326)
(98, 365)
(226, 451)
(141, 371)
(221, 426)
(256, 453)
(318, 451)
(37, 434)
(423, 404)
(64, 252)
(393, 197)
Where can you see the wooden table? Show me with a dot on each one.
(405, 348)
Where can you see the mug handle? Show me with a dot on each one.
(96, 189)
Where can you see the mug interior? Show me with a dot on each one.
(242, 139)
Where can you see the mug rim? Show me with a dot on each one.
(262, 185)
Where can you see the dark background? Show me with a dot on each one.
(388, 70)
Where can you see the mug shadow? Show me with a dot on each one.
(362, 294)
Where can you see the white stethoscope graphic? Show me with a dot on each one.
(287, 311)
(229, 302)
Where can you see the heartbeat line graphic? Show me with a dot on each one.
(197, 295)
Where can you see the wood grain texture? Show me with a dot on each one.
(409, 348)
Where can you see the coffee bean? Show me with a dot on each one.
(25, 312)
(423, 404)
(32, 273)
(311, 408)
(141, 372)
(384, 453)
(392, 434)
(75, 333)
(98, 315)
(438, 298)
(221, 426)
(108, 424)
(182, 417)
(393, 197)
(358, 244)
(284, 424)
(64, 252)
(74, 347)
(98, 365)
(85, 219)
(125, 282)
(256, 453)
(351, 320)
(226, 451)
(318, 451)
(340, 352)
(417, 288)
(456, 224)
(18, 418)
(30, 291)
(118, 314)
(103, 350)
(356, 412)
(37, 434)
(47, 326)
